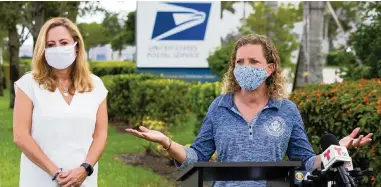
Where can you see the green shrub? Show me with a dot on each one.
(122, 95)
(26, 62)
(202, 97)
(112, 68)
(339, 108)
(366, 43)
(24, 66)
(219, 60)
(134, 97)
(350, 69)
(164, 100)
(332, 59)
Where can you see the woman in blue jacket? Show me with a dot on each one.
(252, 121)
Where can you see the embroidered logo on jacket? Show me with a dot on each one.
(275, 126)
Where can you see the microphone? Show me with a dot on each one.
(336, 156)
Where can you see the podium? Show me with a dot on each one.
(277, 174)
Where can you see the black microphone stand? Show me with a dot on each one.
(320, 178)
(359, 174)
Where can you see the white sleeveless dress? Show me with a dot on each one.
(63, 132)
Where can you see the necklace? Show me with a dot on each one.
(65, 90)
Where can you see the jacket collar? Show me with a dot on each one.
(228, 102)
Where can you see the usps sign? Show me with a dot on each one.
(176, 34)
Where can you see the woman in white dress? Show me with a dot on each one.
(60, 114)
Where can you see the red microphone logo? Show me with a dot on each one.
(327, 155)
(338, 150)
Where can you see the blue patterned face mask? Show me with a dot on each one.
(250, 78)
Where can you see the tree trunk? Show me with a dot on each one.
(327, 37)
(325, 42)
(39, 19)
(73, 11)
(315, 40)
(1, 82)
(88, 53)
(1, 72)
(310, 67)
(298, 73)
(14, 48)
(331, 47)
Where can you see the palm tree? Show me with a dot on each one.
(310, 65)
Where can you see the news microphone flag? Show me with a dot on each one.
(335, 154)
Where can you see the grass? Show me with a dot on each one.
(112, 173)
(9, 153)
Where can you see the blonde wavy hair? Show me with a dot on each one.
(43, 73)
(275, 82)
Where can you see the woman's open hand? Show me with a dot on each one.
(351, 140)
(150, 135)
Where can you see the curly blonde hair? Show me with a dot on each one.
(275, 83)
(42, 72)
